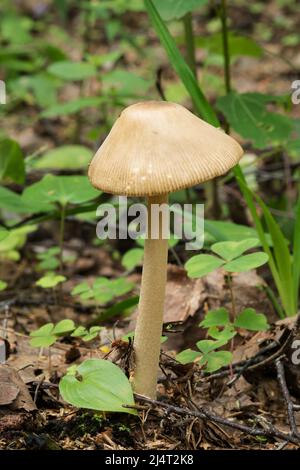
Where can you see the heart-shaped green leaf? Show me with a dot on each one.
(97, 385)
(43, 337)
(215, 360)
(63, 327)
(187, 356)
(218, 317)
(250, 320)
(201, 265)
(232, 249)
(247, 262)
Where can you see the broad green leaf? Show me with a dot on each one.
(97, 385)
(247, 262)
(216, 359)
(50, 280)
(3, 285)
(248, 115)
(11, 162)
(238, 45)
(13, 202)
(201, 265)
(60, 189)
(132, 258)
(125, 82)
(43, 337)
(72, 107)
(105, 289)
(230, 250)
(175, 9)
(63, 158)
(250, 320)
(182, 69)
(187, 356)
(218, 230)
(72, 70)
(63, 327)
(218, 317)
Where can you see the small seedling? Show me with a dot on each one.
(50, 280)
(86, 335)
(103, 290)
(222, 330)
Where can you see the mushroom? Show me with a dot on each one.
(153, 149)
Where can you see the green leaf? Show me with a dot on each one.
(238, 45)
(11, 162)
(175, 9)
(182, 69)
(3, 233)
(215, 360)
(296, 254)
(120, 308)
(132, 258)
(50, 280)
(125, 82)
(105, 289)
(187, 356)
(43, 337)
(283, 260)
(72, 107)
(218, 230)
(201, 265)
(218, 317)
(208, 345)
(60, 189)
(72, 70)
(63, 327)
(81, 288)
(230, 250)
(64, 158)
(247, 262)
(79, 331)
(3, 285)
(13, 202)
(92, 333)
(97, 385)
(223, 335)
(250, 320)
(248, 115)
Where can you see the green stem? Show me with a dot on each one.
(225, 42)
(61, 236)
(190, 43)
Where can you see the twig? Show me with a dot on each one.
(286, 394)
(270, 431)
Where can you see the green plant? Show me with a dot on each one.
(230, 257)
(222, 330)
(97, 384)
(49, 333)
(50, 280)
(102, 290)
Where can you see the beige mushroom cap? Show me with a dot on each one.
(157, 147)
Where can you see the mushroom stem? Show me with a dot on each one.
(151, 307)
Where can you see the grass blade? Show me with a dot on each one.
(296, 252)
(182, 69)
